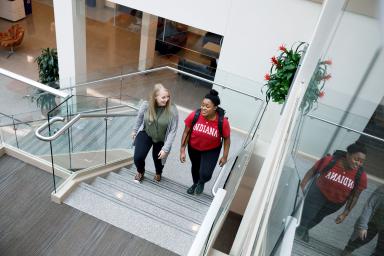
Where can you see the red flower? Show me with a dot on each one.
(274, 61)
(328, 62)
(282, 48)
(267, 77)
(321, 94)
(327, 77)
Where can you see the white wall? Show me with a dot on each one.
(255, 30)
(353, 47)
(209, 15)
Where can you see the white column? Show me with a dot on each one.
(70, 40)
(147, 41)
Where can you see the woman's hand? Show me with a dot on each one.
(182, 155)
(133, 135)
(341, 218)
(363, 234)
(222, 161)
(162, 154)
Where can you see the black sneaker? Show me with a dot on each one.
(191, 190)
(199, 188)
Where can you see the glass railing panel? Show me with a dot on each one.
(18, 131)
(8, 134)
(28, 142)
(88, 140)
(286, 196)
(324, 234)
(19, 97)
(234, 172)
(119, 141)
(130, 88)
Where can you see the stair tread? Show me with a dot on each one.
(170, 184)
(90, 200)
(315, 248)
(169, 212)
(149, 184)
(157, 193)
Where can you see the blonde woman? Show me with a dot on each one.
(155, 127)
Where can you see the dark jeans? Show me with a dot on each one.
(316, 207)
(203, 163)
(143, 144)
(371, 233)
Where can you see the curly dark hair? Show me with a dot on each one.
(357, 147)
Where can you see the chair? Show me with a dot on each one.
(12, 38)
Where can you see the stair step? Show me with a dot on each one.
(167, 183)
(314, 248)
(166, 210)
(160, 195)
(110, 209)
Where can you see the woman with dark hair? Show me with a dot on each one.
(155, 127)
(204, 130)
(340, 181)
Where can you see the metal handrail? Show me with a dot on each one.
(159, 69)
(71, 122)
(33, 83)
(14, 119)
(59, 132)
(83, 112)
(218, 179)
(347, 128)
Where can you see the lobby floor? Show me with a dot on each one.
(110, 49)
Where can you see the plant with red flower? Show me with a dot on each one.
(327, 77)
(328, 62)
(267, 77)
(282, 72)
(315, 88)
(274, 60)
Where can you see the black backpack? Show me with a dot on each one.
(221, 113)
(337, 155)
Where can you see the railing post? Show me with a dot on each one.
(121, 85)
(14, 129)
(69, 139)
(106, 131)
(51, 149)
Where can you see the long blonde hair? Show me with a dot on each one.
(153, 104)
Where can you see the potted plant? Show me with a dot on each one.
(282, 73)
(48, 74)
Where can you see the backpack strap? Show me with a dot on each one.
(329, 166)
(337, 155)
(357, 179)
(221, 113)
(195, 117)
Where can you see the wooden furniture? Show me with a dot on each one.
(12, 10)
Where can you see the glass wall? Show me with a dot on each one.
(342, 106)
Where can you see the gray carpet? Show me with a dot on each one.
(33, 225)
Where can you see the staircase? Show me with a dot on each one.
(314, 248)
(162, 213)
